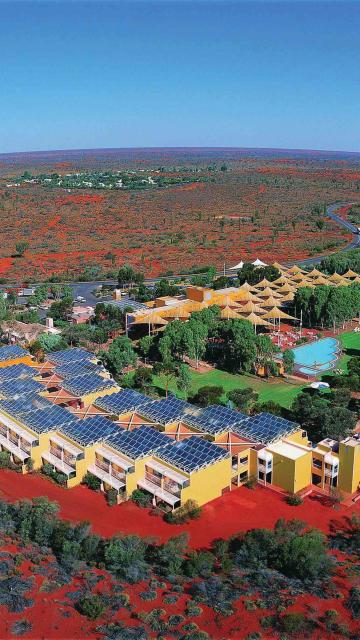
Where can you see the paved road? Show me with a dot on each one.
(85, 289)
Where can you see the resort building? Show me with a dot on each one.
(169, 448)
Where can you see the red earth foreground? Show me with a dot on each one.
(239, 510)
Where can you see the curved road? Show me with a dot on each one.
(85, 289)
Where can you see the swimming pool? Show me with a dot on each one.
(316, 357)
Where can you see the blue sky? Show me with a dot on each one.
(86, 74)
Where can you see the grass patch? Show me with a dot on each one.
(279, 391)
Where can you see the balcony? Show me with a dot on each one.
(14, 449)
(61, 455)
(110, 457)
(158, 492)
(70, 451)
(331, 473)
(108, 478)
(60, 465)
(103, 465)
(168, 474)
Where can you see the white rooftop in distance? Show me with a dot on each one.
(287, 450)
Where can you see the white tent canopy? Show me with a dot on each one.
(259, 263)
(237, 266)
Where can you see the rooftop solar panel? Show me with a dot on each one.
(47, 419)
(138, 443)
(24, 404)
(90, 430)
(16, 371)
(70, 355)
(121, 402)
(11, 351)
(192, 454)
(168, 410)
(266, 428)
(88, 383)
(18, 387)
(214, 419)
(73, 369)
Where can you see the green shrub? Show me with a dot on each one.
(189, 511)
(92, 481)
(111, 497)
(294, 499)
(175, 620)
(251, 482)
(148, 595)
(141, 498)
(91, 606)
(19, 627)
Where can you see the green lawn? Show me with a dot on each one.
(280, 392)
(350, 343)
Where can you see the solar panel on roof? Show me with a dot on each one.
(214, 419)
(73, 369)
(48, 419)
(70, 355)
(24, 404)
(88, 383)
(11, 351)
(192, 454)
(90, 430)
(266, 428)
(138, 443)
(18, 387)
(121, 401)
(168, 410)
(16, 371)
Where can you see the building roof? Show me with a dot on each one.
(138, 443)
(18, 387)
(11, 352)
(73, 369)
(288, 450)
(266, 428)
(48, 419)
(167, 410)
(214, 419)
(90, 430)
(191, 454)
(88, 383)
(24, 404)
(121, 402)
(16, 372)
(70, 355)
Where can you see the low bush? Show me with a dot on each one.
(353, 602)
(92, 482)
(111, 497)
(7, 463)
(141, 498)
(148, 595)
(294, 499)
(19, 627)
(58, 477)
(91, 606)
(251, 482)
(175, 620)
(189, 511)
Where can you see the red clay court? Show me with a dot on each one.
(238, 510)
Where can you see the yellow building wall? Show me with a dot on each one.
(208, 483)
(138, 474)
(91, 397)
(298, 438)
(23, 359)
(291, 475)
(349, 467)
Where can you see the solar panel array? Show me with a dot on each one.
(88, 383)
(72, 369)
(121, 402)
(16, 371)
(70, 355)
(165, 411)
(266, 428)
(90, 430)
(138, 443)
(11, 351)
(192, 454)
(214, 419)
(18, 387)
(25, 404)
(48, 419)
(124, 304)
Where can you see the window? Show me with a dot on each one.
(317, 463)
(304, 434)
(243, 476)
(244, 460)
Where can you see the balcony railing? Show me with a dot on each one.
(173, 488)
(63, 457)
(153, 478)
(108, 468)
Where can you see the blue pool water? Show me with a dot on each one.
(315, 357)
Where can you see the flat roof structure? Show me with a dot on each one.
(70, 355)
(266, 428)
(288, 450)
(214, 419)
(16, 372)
(12, 351)
(49, 419)
(73, 369)
(19, 387)
(87, 383)
(121, 402)
(191, 454)
(89, 430)
(24, 404)
(167, 410)
(139, 443)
